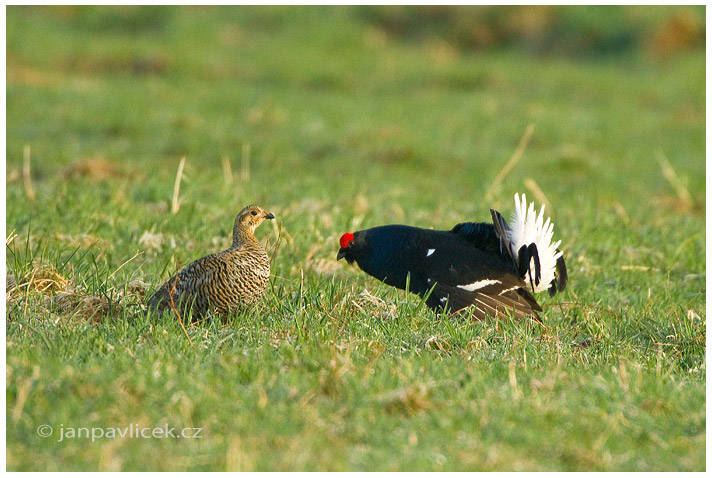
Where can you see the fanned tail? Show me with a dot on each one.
(528, 241)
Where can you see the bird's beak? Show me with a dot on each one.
(269, 216)
(341, 254)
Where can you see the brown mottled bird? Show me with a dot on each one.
(224, 281)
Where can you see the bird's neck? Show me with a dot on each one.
(242, 237)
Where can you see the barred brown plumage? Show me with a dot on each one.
(221, 282)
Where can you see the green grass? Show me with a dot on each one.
(348, 127)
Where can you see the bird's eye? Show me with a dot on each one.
(254, 213)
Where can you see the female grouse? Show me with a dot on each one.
(224, 281)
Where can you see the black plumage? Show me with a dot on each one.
(471, 264)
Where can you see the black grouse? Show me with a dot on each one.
(221, 282)
(494, 267)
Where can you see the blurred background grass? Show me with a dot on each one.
(339, 118)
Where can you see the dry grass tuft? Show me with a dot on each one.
(85, 241)
(151, 241)
(43, 279)
(375, 306)
(96, 307)
(95, 169)
(408, 400)
(669, 202)
(86, 307)
(56, 291)
(437, 343)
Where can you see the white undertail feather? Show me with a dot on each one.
(527, 227)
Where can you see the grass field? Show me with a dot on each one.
(334, 123)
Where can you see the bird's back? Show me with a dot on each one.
(395, 251)
(454, 268)
(492, 266)
(223, 282)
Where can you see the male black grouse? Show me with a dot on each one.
(495, 267)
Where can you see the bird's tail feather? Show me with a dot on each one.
(528, 241)
(530, 229)
(561, 277)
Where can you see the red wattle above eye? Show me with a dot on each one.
(345, 239)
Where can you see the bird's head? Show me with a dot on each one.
(347, 247)
(382, 251)
(251, 217)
